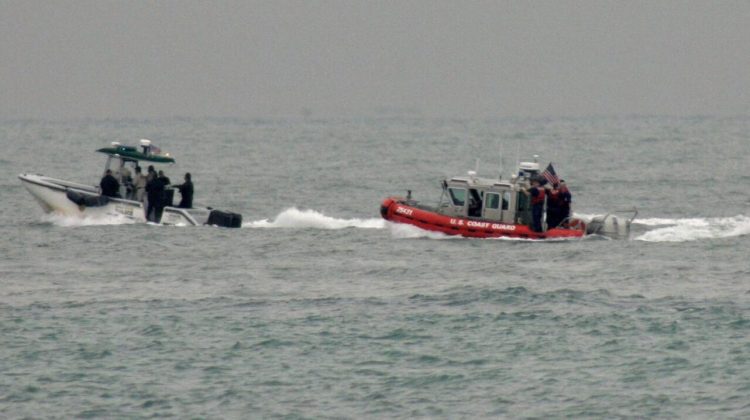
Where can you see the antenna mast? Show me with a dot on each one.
(500, 165)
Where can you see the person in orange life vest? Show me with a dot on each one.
(537, 204)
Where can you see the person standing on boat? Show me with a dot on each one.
(565, 198)
(537, 204)
(109, 185)
(554, 210)
(148, 207)
(126, 181)
(186, 191)
(151, 173)
(155, 194)
(164, 179)
(139, 183)
(168, 194)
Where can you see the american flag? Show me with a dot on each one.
(550, 175)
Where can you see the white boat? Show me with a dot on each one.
(79, 200)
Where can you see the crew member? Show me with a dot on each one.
(139, 184)
(109, 185)
(168, 195)
(537, 204)
(151, 173)
(554, 216)
(186, 191)
(127, 182)
(155, 193)
(164, 179)
(565, 199)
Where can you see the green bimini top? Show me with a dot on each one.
(132, 153)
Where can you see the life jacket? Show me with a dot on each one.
(539, 198)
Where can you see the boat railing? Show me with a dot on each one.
(634, 211)
(70, 184)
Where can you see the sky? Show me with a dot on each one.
(248, 59)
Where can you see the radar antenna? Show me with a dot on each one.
(500, 164)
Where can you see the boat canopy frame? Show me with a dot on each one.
(132, 153)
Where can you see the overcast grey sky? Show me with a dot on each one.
(81, 59)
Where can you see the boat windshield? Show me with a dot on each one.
(458, 196)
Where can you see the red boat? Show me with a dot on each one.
(491, 208)
(400, 210)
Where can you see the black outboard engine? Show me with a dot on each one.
(224, 219)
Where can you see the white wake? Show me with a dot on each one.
(294, 218)
(662, 229)
(404, 231)
(88, 220)
(683, 230)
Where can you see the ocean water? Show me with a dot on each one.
(317, 308)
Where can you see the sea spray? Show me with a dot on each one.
(88, 220)
(692, 229)
(294, 218)
(404, 231)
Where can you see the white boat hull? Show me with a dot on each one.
(52, 196)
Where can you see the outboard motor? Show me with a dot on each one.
(224, 219)
(610, 226)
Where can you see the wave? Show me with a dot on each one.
(666, 229)
(404, 231)
(693, 229)
(89, 220)
(655, 221)
(294, 218)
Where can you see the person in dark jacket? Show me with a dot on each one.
(168, 193)
(109, 185)
(564, 200)
(164, 179)
(554, 210)
(155, 193)
(537, 204)
(186, 191)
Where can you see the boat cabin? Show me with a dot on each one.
(496, 200)
(122, 161)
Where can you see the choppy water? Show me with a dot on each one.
(318, 308)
